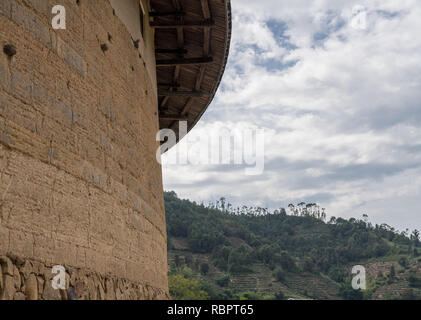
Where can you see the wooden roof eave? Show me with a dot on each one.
(189, 84)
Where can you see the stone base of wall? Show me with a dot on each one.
(22, 279)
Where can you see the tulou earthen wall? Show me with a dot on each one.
(79, 183)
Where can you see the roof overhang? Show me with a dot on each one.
(192, 39)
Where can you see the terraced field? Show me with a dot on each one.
(260, 278)
(399, 287)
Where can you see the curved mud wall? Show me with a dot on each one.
(79, 183)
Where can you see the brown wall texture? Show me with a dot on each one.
(79, 182)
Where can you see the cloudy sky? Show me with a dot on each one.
(338, 97)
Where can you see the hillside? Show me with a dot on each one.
(218, 252)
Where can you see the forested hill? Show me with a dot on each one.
(220, 252)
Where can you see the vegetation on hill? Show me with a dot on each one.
(222, 243)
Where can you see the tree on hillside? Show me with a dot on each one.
(309, 265)
(323, 214)
(409, 294)
(348, 293)
(188, 259)
(279, 274)
(177, 261)
(182, 288)
(392, 273)
(204, 268)
(415, 237)
(403, 261)
(293, 210)
(280, 296)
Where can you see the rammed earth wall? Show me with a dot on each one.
(79, 183)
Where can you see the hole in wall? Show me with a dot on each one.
(104, 47)
(9, 50)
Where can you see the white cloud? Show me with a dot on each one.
(340, 108)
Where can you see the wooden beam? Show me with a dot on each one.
(187, 106)
(206, 41)
(183, 61)
(193, 24)
(180, 37)
(199, 78)
(168, 13)
(170, 93)
(173, 117)
(180, 52)
(163, 105)
(177, 5)
(207, 30)
(172, 51)
(183, 112)
(205, 8)
(169, 84)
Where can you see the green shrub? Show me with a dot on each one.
(403, 261)
(279, 275)
(182, 288)
(224, 281)
(414, 281)
(204, 268)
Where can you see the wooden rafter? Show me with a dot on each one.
(192, 24)
(173, 117)
(207, 30)
(178, 13)
(180, 46)
(179, 51)
(183, 61)
(187, 86)
(169, 93)
(169, 84)
(205, 9)
(187, 106)
(206, 52)
(199, 78)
